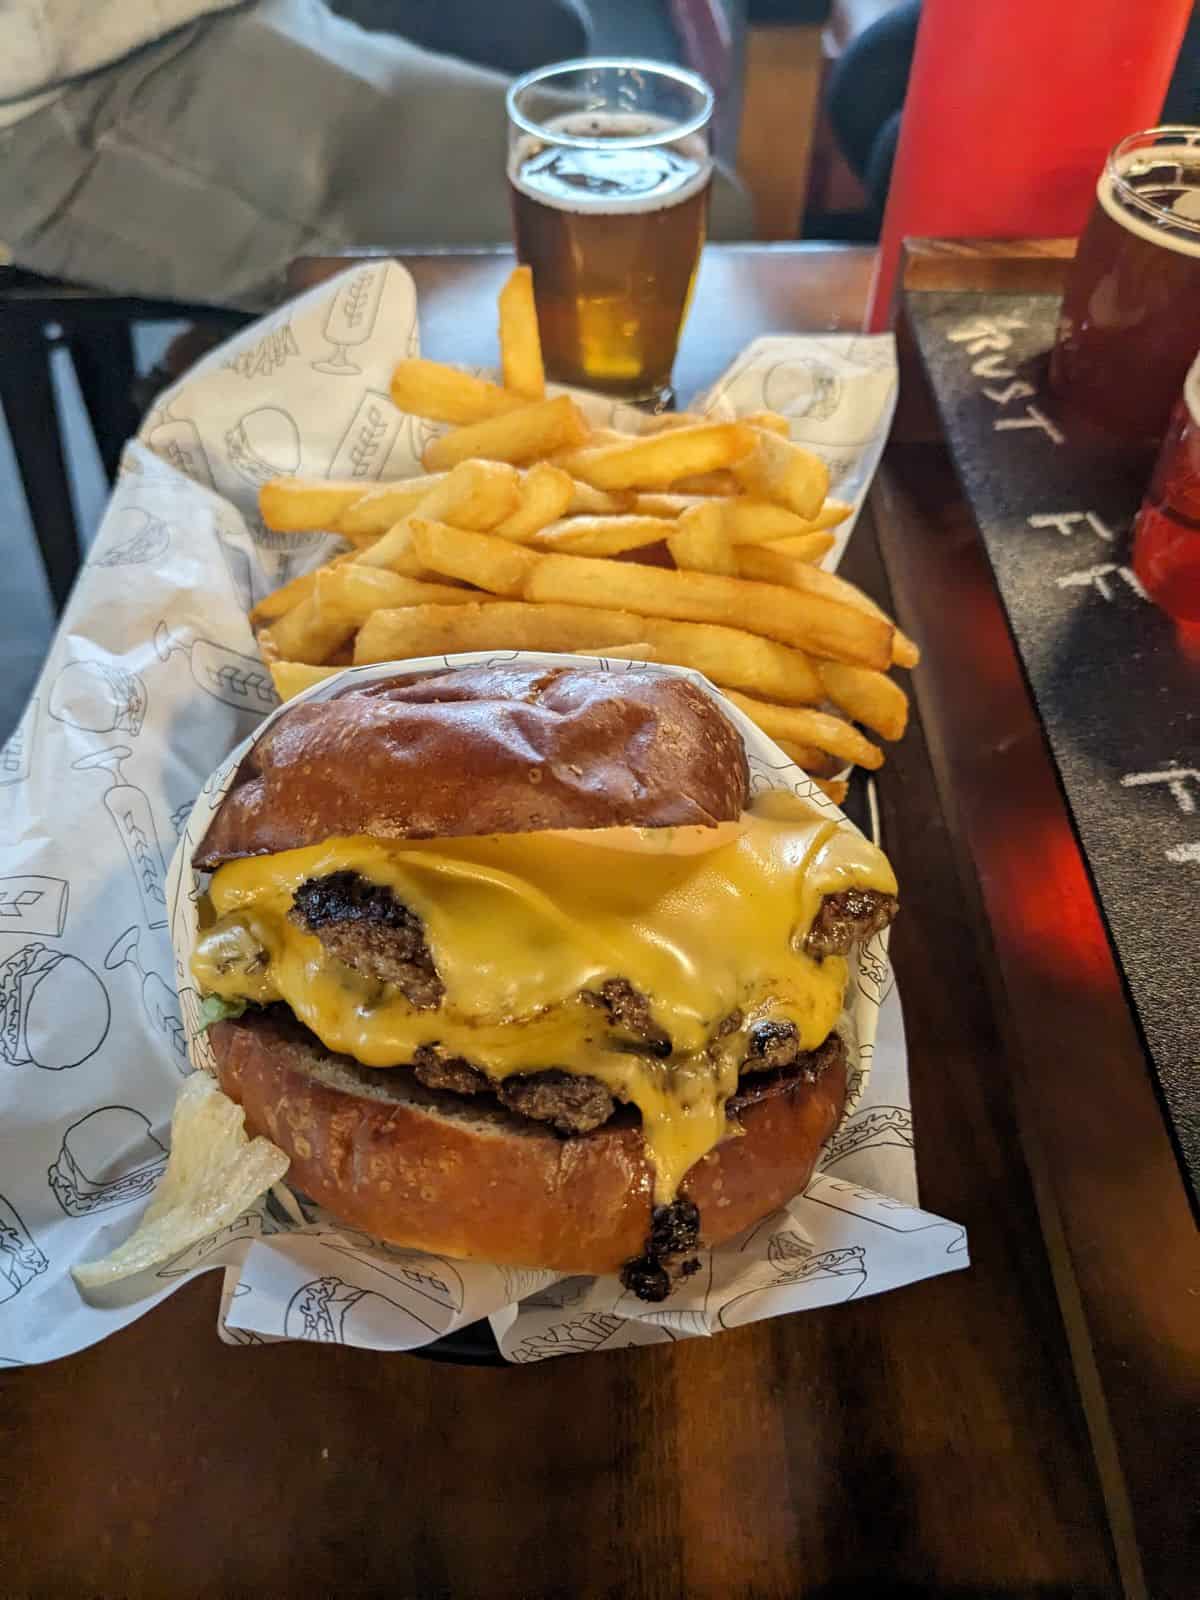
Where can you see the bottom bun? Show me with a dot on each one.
(441, 1173)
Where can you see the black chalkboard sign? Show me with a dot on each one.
(1116, 685)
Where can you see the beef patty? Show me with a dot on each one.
(365, 926)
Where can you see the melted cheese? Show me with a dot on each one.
(702, 921)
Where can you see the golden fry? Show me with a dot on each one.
(545, 493)
(804, 755)
(726, 655)
(771, 421)
(343, 598)
(813, 623)
(770, 566)
(520, 342)
(659, 460)
(810, 547)
(667, 420)
(306, 505)
(802, 725)
(475, 494)
(494, 564)
(588, 502)
(282, 600)
(835, 789)
(867, 697)
(447, 394)
(603, 536)
(721, 482)
(751, 521)
(667, 505)
(519, 436)
(293, 677)
(699, 542)
(784, 472)
(382, 507)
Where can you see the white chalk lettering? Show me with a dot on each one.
(1033, 418)
(1101, 532)
(984, 333)
(1180, 854)
(1015, 391)
(1098, 578)
(992, 367)
(1176, 780)
(1064, 521)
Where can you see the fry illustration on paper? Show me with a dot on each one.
(99, 697)
(139, 537)
(54, 1010)
(129, 808)
(34, 903)
(366, 444)
(16, 753)
(264, 444)
(593, 1330)
(159, 1000)
(106, 1159)
(21, 1258)
(350, 319)
(177, 440)
(234, 679)
(273, 349)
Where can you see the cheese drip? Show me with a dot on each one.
(702, 921)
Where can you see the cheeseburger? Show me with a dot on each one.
(511, 966)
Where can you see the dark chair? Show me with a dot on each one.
(36, 315)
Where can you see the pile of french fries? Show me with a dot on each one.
(693, 542)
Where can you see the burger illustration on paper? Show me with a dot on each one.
(107, 1158)
(54, 1010)
(99, 697)
(21, 1259)
(140, 537)
(264, 444)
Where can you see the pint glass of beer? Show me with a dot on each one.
(1130, 323)
(609, 168)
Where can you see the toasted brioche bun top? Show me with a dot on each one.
(486, 749)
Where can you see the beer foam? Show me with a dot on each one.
(1186, 209)
(672, 172)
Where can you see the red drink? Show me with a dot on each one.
(1130, 322)
(1166, 535)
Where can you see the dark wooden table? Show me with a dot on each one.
(1021, 1428)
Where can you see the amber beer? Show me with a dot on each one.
(1130, 323)
(610, 209)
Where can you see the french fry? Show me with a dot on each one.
(802, 725)
(812, 623)
(520, 342)
(545, 493)
(446, 394)
(283, 599)
(831, 514)
(659, 459)
(667, 505)
(700, 543)
(496, 565)
(382, 507)
(474, 495)
(784, 472)
(293, 677)
(867, 697)
(810, 547)
(726, 655)
(602, 536)
(304, 505)
(835, 788)
(667, 420)
(751, 521)
(804, 755)
(588, 502)
(342, 600)
(770, 566)
(721, 482)
(519, 436)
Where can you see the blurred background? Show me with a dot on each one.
(810, 95)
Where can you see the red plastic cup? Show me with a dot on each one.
(1166, 534)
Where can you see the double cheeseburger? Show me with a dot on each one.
(511, 966)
